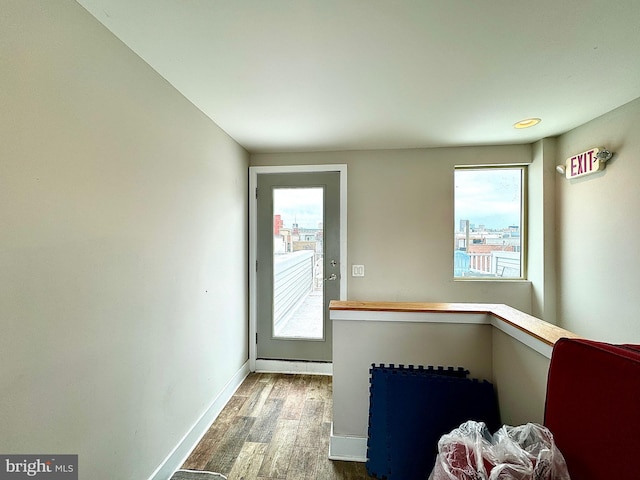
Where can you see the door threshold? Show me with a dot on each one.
(292, 366)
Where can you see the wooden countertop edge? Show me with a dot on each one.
(537, 328)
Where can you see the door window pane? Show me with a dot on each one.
(298, 286)
(488, 222)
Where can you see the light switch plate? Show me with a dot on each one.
(357, 270)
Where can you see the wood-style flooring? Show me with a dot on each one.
(276, 426)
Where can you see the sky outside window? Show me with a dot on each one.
(490, 197)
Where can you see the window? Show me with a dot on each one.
(489, 222)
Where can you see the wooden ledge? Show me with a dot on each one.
(539, 329)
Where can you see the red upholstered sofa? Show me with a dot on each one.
(593, 408)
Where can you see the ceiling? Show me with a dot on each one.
(312, 75)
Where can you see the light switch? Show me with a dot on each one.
(357, 270)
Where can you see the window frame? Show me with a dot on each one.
(523, 221)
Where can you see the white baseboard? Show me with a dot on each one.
(181, 451)
(289, 366)
(350, 449)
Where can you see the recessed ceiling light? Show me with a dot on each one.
(526, 123)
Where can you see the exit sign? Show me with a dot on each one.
(584, 163)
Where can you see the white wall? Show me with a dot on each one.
(123, 265)
(598, 230)
(519, 378)
(541, 270)
(400, 222)
(358, 344)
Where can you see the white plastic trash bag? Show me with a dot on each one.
(464, 454)
(525, 452)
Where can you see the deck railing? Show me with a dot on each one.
(497, 263)
(292, 282)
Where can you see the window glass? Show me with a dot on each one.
(488, 235)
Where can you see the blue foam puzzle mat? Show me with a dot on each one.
(411, 408)
(377, 451)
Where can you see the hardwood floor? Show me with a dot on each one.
(276, 426)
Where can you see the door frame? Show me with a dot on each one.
(289, 366)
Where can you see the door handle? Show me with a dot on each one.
(333, 276)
